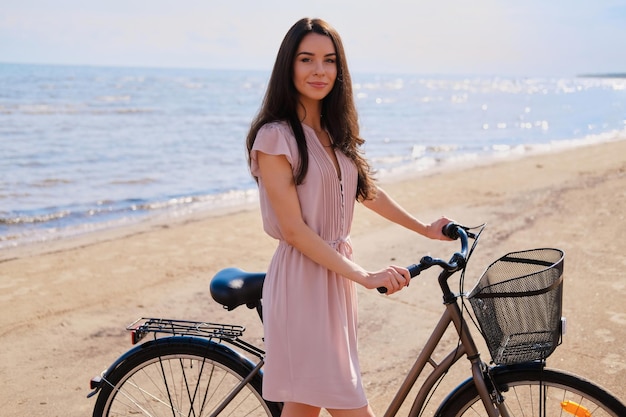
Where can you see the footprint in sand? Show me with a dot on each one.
(617, 317)
(604, 335)
(619, 285)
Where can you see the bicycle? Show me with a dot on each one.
(204, 369)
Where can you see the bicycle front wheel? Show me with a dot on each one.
(538, 393)
(181, 378)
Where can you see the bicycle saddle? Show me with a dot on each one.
(232, 287)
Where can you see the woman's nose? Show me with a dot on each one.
(319, 68)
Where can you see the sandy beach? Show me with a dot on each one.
(65, 305)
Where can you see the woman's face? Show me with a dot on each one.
(315, 67)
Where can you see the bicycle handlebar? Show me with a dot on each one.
(457, 262)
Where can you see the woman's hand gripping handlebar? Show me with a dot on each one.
(457, 261)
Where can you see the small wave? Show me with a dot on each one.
(504, 150)
(420, 165)
(43, 109)
(417, 151)
(443, 148)
(49, 109)
(19, 219)
(388, 160)
(141, 181)
(114, 99)
(201, 202)
(132, 110)
(50, 182)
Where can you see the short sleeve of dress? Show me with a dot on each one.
(272, 139)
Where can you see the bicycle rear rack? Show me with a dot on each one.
(141, 327)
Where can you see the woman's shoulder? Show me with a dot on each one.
(278, 131)
(276, 127)
(276, 138)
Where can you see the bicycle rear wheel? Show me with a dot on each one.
(537, 392)
(181, 378)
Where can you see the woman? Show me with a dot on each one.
(304, 152)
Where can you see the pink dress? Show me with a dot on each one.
(310, 313)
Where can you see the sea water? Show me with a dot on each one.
(86, 148)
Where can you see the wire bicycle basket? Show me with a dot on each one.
(518, 302)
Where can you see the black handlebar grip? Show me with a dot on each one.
(450, 230)
(414, 270)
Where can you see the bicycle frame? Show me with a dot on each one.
(466, 347)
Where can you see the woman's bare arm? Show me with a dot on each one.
(388, 208)
(277, 177)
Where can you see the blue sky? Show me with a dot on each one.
(532, 37)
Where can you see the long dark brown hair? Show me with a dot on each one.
(339, 112)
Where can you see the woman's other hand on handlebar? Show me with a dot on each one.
(394, 278)
(434, 230)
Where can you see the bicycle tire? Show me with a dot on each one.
(181, 376)
(521, 391)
